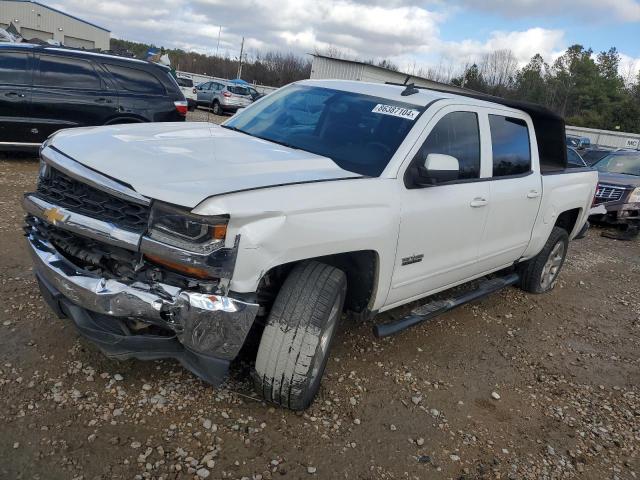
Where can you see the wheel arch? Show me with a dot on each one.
(361, 267)
(567, 220)
(123, 119)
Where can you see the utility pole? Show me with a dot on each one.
(240, 62)
(218, 45)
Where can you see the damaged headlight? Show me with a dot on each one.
(180, 228)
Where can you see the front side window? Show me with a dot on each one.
(64, 72)
(360, 133)
(136, 80)
(457, 135)
(14, 68)
(511, 146)
(573, 159)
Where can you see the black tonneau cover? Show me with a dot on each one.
(548, 125)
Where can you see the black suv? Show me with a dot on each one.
(44, 89)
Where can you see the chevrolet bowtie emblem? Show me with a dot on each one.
(54, 215)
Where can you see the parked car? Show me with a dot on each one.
(593, 155)
(265, 230)
(188, 89)
(580, 143)
(574, 159)
(44, 89)
(618, 188)
(223, 97)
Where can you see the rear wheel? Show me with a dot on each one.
(217, 109)
(540, 274)
(295, 344)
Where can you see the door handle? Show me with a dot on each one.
(478, 202)
(103, 100)
(533, 194)
(14, 94)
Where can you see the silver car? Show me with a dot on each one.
(223, 96)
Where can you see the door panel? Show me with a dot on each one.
(515, 191)
(441, 225)
(443, 213)
(15, 97)
(68, 92)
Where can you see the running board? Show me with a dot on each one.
(430, 310)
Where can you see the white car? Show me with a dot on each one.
(188, 89)
(189, 240)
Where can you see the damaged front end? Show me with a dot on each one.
(140, 278)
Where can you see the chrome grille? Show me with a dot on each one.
(60, 189)
(608, 193)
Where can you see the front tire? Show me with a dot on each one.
(295, 344)
(540, 274)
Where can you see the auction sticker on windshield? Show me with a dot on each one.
(402, 112)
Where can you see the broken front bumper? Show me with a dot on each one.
(206, 331)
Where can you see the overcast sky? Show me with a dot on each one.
(409, 32)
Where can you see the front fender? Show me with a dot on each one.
(291, 223)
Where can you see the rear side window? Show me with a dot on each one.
(238, 90)
(456, 134)
(14, 68)
(185, 82)
(65, 72)
(135, 80)
(511, 146)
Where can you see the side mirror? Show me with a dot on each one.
(440, 162)
(437, 169)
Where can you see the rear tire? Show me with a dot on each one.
(215, 107)
(295, 344)
(540, 274)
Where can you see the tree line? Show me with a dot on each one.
(587, 89)
(270, 68)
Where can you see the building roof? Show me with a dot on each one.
(60, 12)
(384, 69)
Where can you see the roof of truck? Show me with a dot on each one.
(548, 125)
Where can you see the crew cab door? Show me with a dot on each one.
(15, 97)
(443, 213)
(515, 189)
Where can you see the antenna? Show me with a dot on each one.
(410, 90)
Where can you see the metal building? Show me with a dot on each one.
(36, 20)
(324, 67)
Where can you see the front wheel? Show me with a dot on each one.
(540, 274)
(295, 344)
(217, 109)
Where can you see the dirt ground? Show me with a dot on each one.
(514, 386)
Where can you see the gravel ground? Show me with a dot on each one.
(515, 386)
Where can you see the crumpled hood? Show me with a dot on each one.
(184, 163)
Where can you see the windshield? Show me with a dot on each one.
(360, 133)
(627, 164)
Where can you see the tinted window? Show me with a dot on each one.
(67, 73)
(511, 148)
(573, 159)
(456, 134)
(135, 80)
(13, 68)
(238, 90)
(360, 133)
(185, 82)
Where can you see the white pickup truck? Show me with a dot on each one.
(195, 240)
